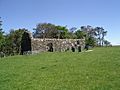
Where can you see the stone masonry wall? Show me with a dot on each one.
(41, 45)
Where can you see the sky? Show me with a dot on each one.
(73, 13)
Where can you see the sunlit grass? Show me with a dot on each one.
(95, 70)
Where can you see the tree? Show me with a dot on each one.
(80, 34)
(101, 33)
(107, 43)
(13, 41)
(62, 32)
(1, 30)
(89, 34)
(98, 32)
(2, 38)
(73, 29)
(89, 30)
(45, 30)
(71, 33)
(48, 30)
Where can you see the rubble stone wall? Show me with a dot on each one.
(41, 45)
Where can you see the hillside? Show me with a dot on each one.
(95, 70)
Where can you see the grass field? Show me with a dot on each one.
(96, 70)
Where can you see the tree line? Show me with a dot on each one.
(10, 44)
(94, 36)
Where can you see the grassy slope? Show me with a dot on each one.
(97, 70)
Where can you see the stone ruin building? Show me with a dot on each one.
(60, 45)
(43, 45)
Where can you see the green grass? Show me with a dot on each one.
(96, 70)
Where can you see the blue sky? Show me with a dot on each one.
(27, 13)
